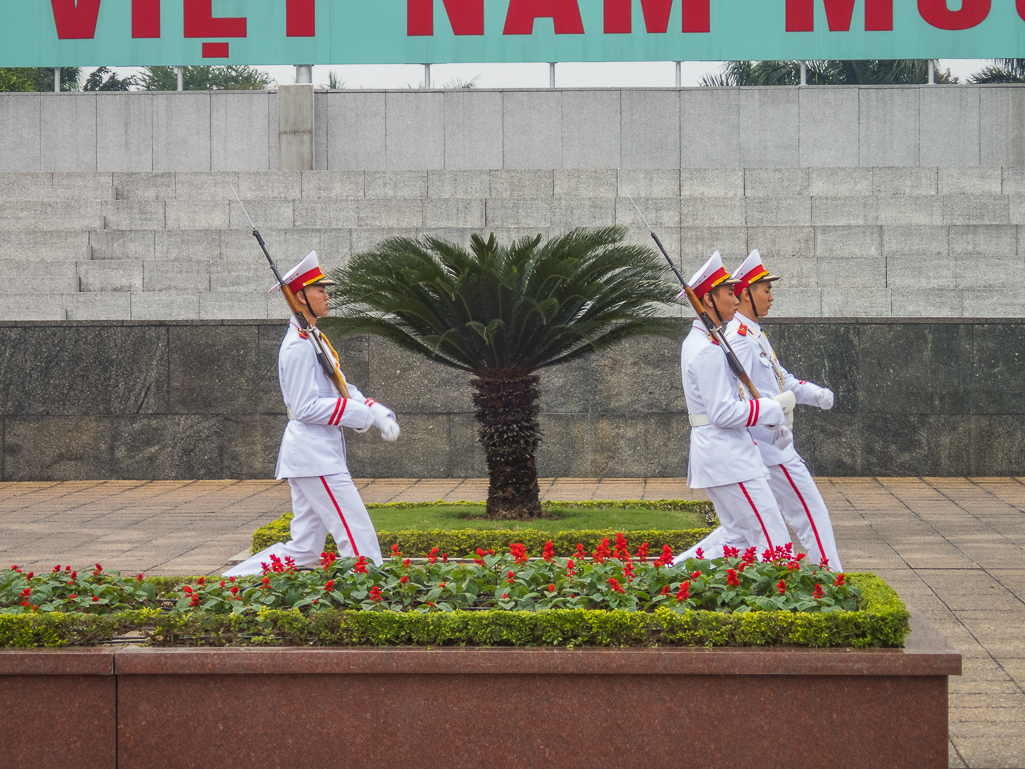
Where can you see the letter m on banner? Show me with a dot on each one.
(801, 15)
(696, 16)
(465, 16)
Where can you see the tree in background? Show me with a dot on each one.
(38, 78)
(501, 313)
(1001, 71)
(231, 77)
(827, 72)
(102, 79)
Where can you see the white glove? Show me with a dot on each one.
(783, 437)
(389, 429)
(380, 412)
(824, 398)
(787, 400)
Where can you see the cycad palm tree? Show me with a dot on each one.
(1001, 71)
(501, 313)
(827, 72)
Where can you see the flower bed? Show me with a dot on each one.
(463, 542)
(608, 597)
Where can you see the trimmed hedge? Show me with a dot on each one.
(882, 622)
(465, 542)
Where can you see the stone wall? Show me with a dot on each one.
(199, 400)
(925, 241)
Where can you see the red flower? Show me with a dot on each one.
(549, 551)
(781, 586)
(442, 584)
(518, 552)
(361, 565)
(510, 576)
(818, 592)
(96, 599)
(571, 568)
(29, 575)
(329, 585)
(824, 563)
(444, 557)
(602, 552)
(139, 578)
(433, 555)
(73, 575)
(316, 600)
(56, 568)
(234, 589)
(616, 587)
(72, 596)
(642, 553)
(231, 579)
(188, 589)
(375, 594)
(431, 604)
(684, 593)
(98, 569)
(505, 595)
(405, 563)
(695, 574)
(729, 552)
(700, 554)
(403, 579)
(551, 588)
(665, 590)
(395, 552)
(581, 553)
(266, 581)
(839, 581)
(621, 551)
(731, 578)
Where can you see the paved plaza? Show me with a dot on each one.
(954, 548)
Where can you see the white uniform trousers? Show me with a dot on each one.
(320, 504)
(804, 509)
(748, 517)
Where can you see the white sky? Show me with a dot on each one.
(567, 74)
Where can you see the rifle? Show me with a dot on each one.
(716, 331)
(300, 317)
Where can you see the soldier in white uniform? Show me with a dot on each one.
(723, 458)
(312, 453)
(796, 493)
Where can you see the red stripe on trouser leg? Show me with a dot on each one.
(807, 512)
(759, 517)
(339, 509)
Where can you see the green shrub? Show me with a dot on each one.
(465, 542)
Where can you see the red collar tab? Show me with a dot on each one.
(742, 330)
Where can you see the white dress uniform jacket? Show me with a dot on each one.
(722, 451)
(313, 444)
(759, 360)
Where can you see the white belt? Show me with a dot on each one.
(698, 420)
(291, 414)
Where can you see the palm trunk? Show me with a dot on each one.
(509, 433)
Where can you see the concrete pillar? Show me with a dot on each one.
(932, 72)
(804, 72)
(180, 72)
(551, 74)
(679, 74)
(303, 74)
(427, 76)
(295, 127)
(56, 79)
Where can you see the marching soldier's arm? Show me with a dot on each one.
(298, 372)
(719, 395)
(807, 393)
(382, 416)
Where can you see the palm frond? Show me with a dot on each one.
(520, 306)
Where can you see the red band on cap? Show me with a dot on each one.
(302, 281)
(711, 282)
(757, 273)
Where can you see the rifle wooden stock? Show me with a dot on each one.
(330, 370)
(716, 331)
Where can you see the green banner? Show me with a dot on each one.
(264, 32)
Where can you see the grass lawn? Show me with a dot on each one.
(462, 517)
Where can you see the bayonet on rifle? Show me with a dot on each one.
(300, 317)
(716, 331)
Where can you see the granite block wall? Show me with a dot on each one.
(199, 400)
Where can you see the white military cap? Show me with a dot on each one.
(306, 273)
(752, 271)
(709, 276)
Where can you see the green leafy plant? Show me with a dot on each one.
(501, 313)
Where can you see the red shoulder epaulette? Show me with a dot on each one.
(742, 330)
(302, 335)
(712, 339)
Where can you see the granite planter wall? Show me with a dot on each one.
(489, 707)
(199, 400)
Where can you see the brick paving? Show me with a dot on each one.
(954, 548)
